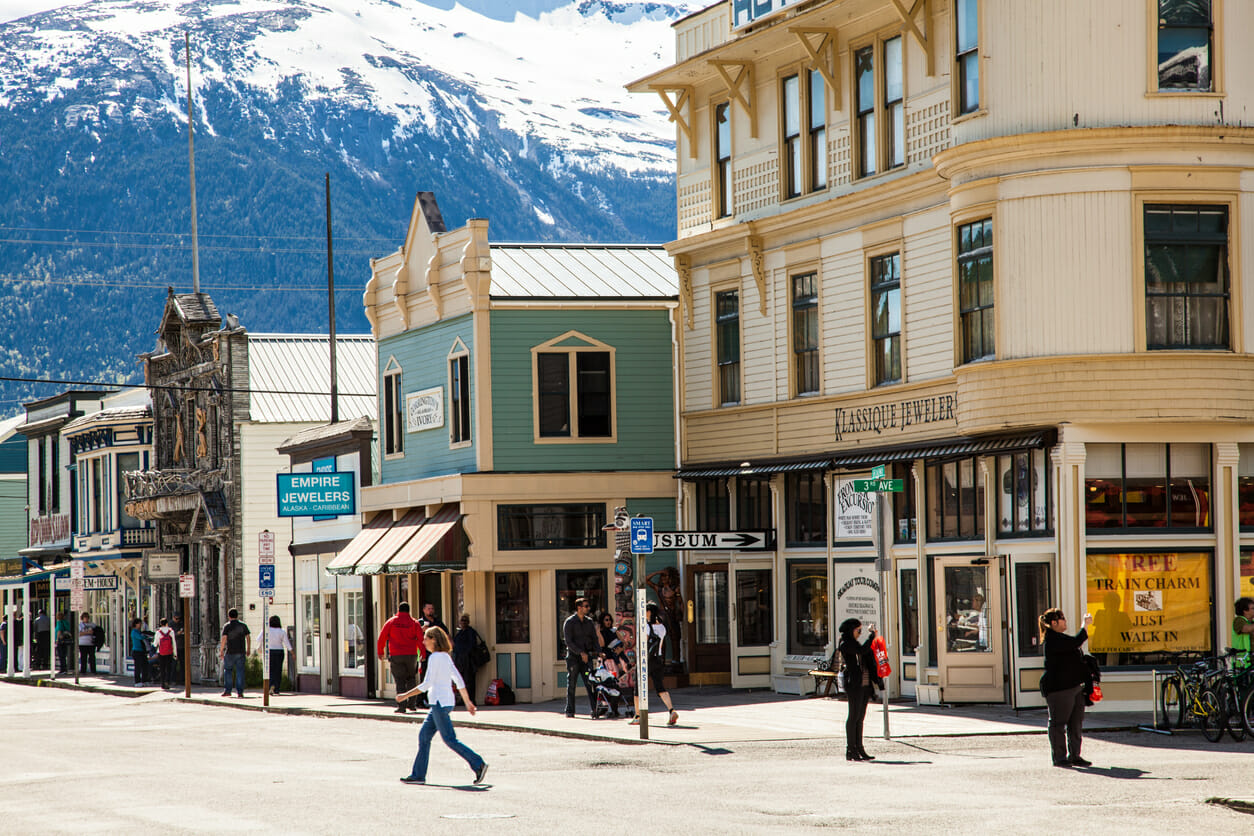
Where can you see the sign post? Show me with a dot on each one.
(187, 589)
(641, 545)
(883, 565)
(265, 584)
(78, 602)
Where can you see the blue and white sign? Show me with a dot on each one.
(642, 535)
(265, 580)
(316, 494)
(745, 12)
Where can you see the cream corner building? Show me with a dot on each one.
(998, 248)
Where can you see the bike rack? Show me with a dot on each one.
(1154, 700)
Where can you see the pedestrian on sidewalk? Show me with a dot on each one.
(654, 637)
(139, 652)
(278, 640)
(234, 648)
(861, 679)
(580, 634)
(1063, 684)
(65, 639)
(42, 634)
(464, 651)
(86, 645)
(438, 684)
(166, 652)
(398, 646)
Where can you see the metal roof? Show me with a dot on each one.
(118, 414)
(280, 365)
(573, 271)
(950, 448)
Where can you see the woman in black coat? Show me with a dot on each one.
(860, 677)
(1064, 680)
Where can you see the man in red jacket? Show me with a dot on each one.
(399, 641)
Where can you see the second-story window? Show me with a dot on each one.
(713, 505)
(793, 166)
(727, 337)
(818, 131)
(967, 30)
(589, 401)
(881, 121)
(886, 317)
(1185, 42)
(722, 160)
(975, 289)
(1186, 276)
(805, 332)
(393, 414)
(459, 395)
(753, 505)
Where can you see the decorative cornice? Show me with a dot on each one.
(433, 283)
(757, 260)
(683, 266)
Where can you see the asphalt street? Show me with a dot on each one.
(83, 762)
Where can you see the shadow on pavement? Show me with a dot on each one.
(1126, 773)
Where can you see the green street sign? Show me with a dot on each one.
(879, 471)
(873, 485)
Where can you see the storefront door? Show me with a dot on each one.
(909, 610)
(1031, 593)
(970, 644)
(709, 639)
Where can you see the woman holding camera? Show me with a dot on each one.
(860, 677)
(1066, 674)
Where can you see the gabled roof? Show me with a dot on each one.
(191, 308)
(282, 364)
(574, 271)
(115, 415)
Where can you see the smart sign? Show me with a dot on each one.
(316, 494)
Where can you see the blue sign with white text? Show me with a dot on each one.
(642, 535)
(265, 576)
(316, 494)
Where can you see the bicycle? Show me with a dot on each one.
(1223, 707)
(1194, 694)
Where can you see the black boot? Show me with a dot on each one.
(863, 756)
(851, 755)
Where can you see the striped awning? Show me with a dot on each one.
(948, 449)
(360, 546)
(401, 532)
(759, 468)
(425, 542)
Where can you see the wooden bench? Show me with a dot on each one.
(826, 682)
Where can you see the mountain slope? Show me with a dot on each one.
(521, 119)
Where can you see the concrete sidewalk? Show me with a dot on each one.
(708, 716)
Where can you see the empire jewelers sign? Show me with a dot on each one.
(895, 416)
(316, 494)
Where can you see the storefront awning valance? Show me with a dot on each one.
(948, 448)
(425, 543)
(391, 542)
(751, 468)
(360, 545)
(16, 581)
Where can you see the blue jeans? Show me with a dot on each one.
(233, 670)
(438, 719)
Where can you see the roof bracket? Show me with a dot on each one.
(683, 266)
(676, 110)
(757, 260)
(738, 87)
(822, 57)
(907, 17)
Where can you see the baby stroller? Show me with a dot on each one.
(604, 681)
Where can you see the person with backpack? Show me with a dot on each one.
(86, 644)
(655, 636)
(166, 652)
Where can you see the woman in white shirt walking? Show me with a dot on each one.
(277, 640)
(441, 676)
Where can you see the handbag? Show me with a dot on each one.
(480, 655)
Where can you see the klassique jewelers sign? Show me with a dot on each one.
(895, 415)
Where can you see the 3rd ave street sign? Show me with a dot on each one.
(712, 540)
(873, 485)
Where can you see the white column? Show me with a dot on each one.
(8, 639)
(28, 629)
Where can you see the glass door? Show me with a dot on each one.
(969, 633)
(1031, 593)
(709, 640)
(909, 612)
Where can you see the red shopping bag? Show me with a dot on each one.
(880, 648)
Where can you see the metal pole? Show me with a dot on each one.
(191, 163)
(335, 389)
(265, 652)
(881, 565)
(187, 649)
(642, 651)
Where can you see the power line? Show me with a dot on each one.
(241, 390)
(141, 246)
(304, 288)
(13, 229)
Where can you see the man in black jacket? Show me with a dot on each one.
(580, 634)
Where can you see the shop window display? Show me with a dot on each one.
(575, 584)
(807, 600)
(753, 607)
(955, 500)
(513, 608)
(1139, 486)
(1023, 495)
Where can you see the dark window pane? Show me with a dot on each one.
(754, 622)
(807, 605)
(908, 592)
(550, 526)
(806, 500)
(1032, 597)
(595, 397)
(513, 608)
(554, 393)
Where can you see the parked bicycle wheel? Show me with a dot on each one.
(1232, 711)
(1171, 702)
(1213, 717)
(1247, 711)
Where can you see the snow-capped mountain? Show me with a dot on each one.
(513, 111)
